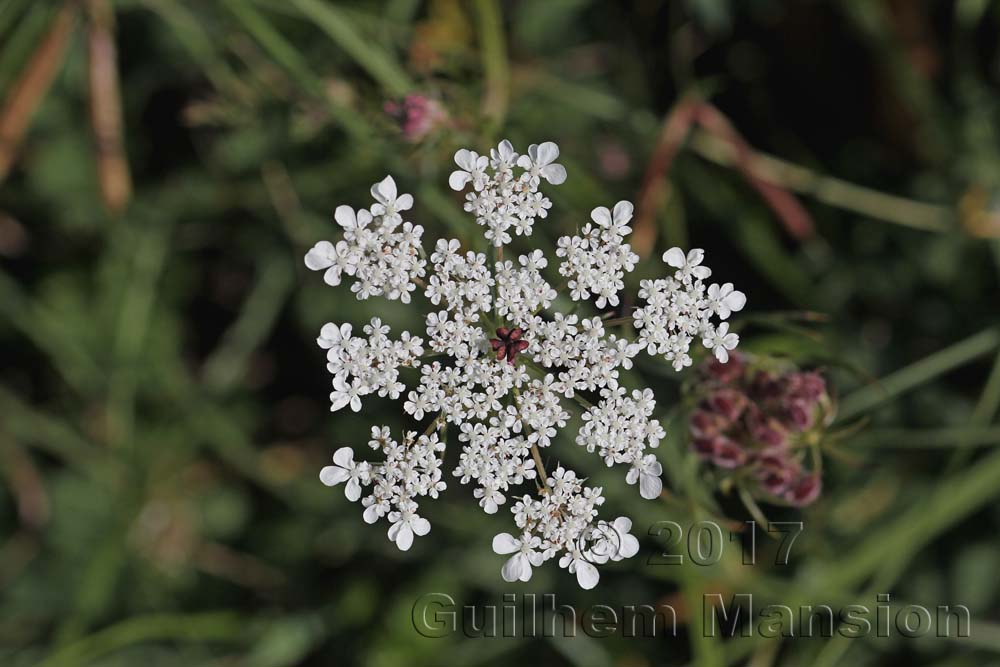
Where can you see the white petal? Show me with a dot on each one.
(328, 335)
(586, 575)
(554, 174)
(623, 211)
(345, 217)
(404, 537)
(623, 524)
(394, 528)
(333, 475)
(352, 491)
(675, 257)
(404, 202)
(344, 457)
(514, 566)
(601, 215)
(546, 153)
(464, 159)
(458, 179)
(332, 276)
(653, 467)
(629, 546)
(320, 256)
(504, 543)
(338, 401)
(421, 526)
(356, 404)
(371, 514)
(385, 190)
(650, 486)
(735, 301)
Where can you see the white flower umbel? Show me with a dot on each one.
(506, 365)
(362, 366)
(503, 199)
(679, 309)
(380, 251)
(619, 429)
(596, 260)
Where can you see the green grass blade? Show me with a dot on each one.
(921, 372)
(288, 57)
(954, 437)
(228, 363)
(378, 63)
(201, 627)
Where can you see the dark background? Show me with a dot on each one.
(163, 405)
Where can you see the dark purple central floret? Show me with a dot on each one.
(508, 343)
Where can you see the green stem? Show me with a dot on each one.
(493, 52)
(535, 454)
(982, 415)
(618, 321)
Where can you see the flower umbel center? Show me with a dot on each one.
(508, 343)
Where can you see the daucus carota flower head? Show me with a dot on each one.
(497, 368)
(762, 422)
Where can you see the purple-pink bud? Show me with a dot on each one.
(729, 403)
(775, 471)
(798, 414)
(728, 372)
(728, 454)
(763, 428)
(805, 490)
(706, 424)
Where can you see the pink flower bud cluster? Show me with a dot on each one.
(752, 420)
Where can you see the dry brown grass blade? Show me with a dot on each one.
(677, 127)
(789, 211)
(32, 85)
(240, 568)
(674, 131)
(26, 485)
(106, 108)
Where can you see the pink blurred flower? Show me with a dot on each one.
(613, 159)
(418, 115)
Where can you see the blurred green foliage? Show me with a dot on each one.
(163, 404)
